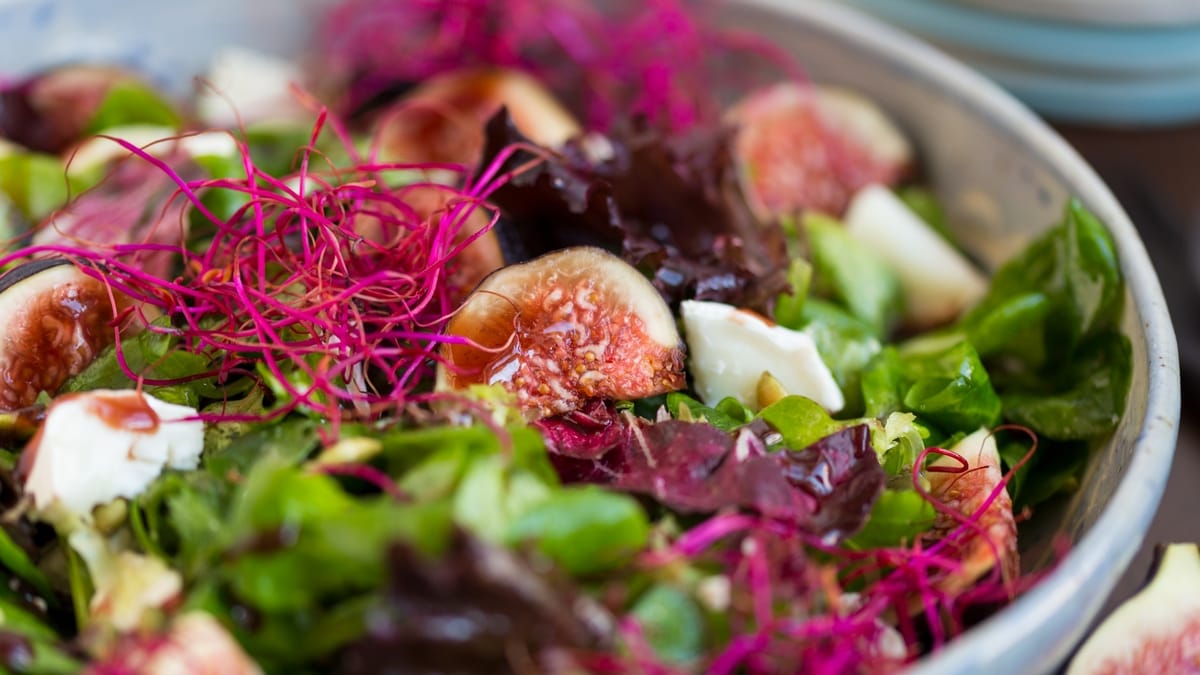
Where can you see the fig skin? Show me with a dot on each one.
(804, 147)
(568, 327)
(57, 319)
(50, 111)
(965, 492)
(1155, 631)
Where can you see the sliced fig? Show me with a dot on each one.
(966, 492)
(479, 258)
(562, 329)
(194, 643)
(804, 147)
(56, 320)
(443, 119)
(50, 111)
(1155, 631)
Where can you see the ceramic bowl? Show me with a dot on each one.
(1001, 173)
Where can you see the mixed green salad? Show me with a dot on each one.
(577, 346)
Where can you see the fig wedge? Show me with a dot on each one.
(50, 111)
(571, 326)
(966, 492)
(443, 119)
(810, 148)
(1155, 631)
(56, 320)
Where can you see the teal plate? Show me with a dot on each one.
(1055, 45)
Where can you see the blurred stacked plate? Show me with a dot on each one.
(1097, 61)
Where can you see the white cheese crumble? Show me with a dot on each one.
(729, 350)
(938, 282)
(87, 454)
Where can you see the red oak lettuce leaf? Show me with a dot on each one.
(826, 489)
(466, 610)
(670, 205)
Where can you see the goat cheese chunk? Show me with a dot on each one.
(938, 281)
(729, 350)
(248, 86)
(96, 446)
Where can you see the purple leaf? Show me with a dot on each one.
(826, 489)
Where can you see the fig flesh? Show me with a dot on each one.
(810, 148)
(966, 492)
(1155, 631)
(57, 319)
(568, 327)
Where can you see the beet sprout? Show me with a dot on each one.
(779, 615)
(327, 284)
(368, 474)
(662, 59)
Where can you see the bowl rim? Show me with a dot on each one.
(1046, 622)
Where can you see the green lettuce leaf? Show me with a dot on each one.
(852, 275)
(897, 517)
(584, 529)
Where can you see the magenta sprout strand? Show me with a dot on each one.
(656, 58)
(331, 283)
(786, 619)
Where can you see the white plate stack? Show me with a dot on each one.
(1097, 61)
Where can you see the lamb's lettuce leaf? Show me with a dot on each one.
(852, 275)
(943, 384)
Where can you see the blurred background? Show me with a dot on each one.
(1120, 80)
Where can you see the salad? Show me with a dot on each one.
(575, 347)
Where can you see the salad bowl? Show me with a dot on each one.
(1001, 174)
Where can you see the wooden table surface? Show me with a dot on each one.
(1156, 176)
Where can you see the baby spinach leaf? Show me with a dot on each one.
(671, 623)
(584, 529)
(493, 494)
(898, 516)
(288, 441)
(1056, 468)
(131, 102)
(154, 355)
(1063, 288)
(944, 384)
(727, 415)
(1084, 398)
(801, 421)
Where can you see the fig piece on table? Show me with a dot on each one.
(1155, 631)
(571, 326)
